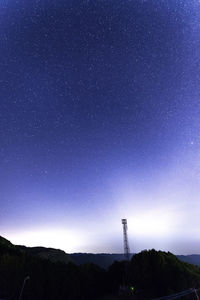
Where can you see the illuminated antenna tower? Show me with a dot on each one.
(125, 234)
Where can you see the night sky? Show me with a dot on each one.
(100, 120)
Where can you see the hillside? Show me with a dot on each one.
(156, 273)
(152, 273)
(7, 247)
(5, 242)
(48, 280)
(54, 255)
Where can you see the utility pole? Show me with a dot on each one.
(21, 293)
(196, 294)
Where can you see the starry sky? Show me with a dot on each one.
(100, 120)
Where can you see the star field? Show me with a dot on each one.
(99, 120)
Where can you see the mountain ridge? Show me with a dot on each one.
(152, 273)
(103, 260)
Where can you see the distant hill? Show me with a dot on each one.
(103, 260)
(54, 255)
(191, 259)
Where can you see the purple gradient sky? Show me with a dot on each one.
(100, 120)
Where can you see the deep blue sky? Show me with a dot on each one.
(99, 120)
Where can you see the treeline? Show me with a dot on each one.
(156, 273)
(149, 273)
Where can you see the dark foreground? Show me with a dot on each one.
(149, 274)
